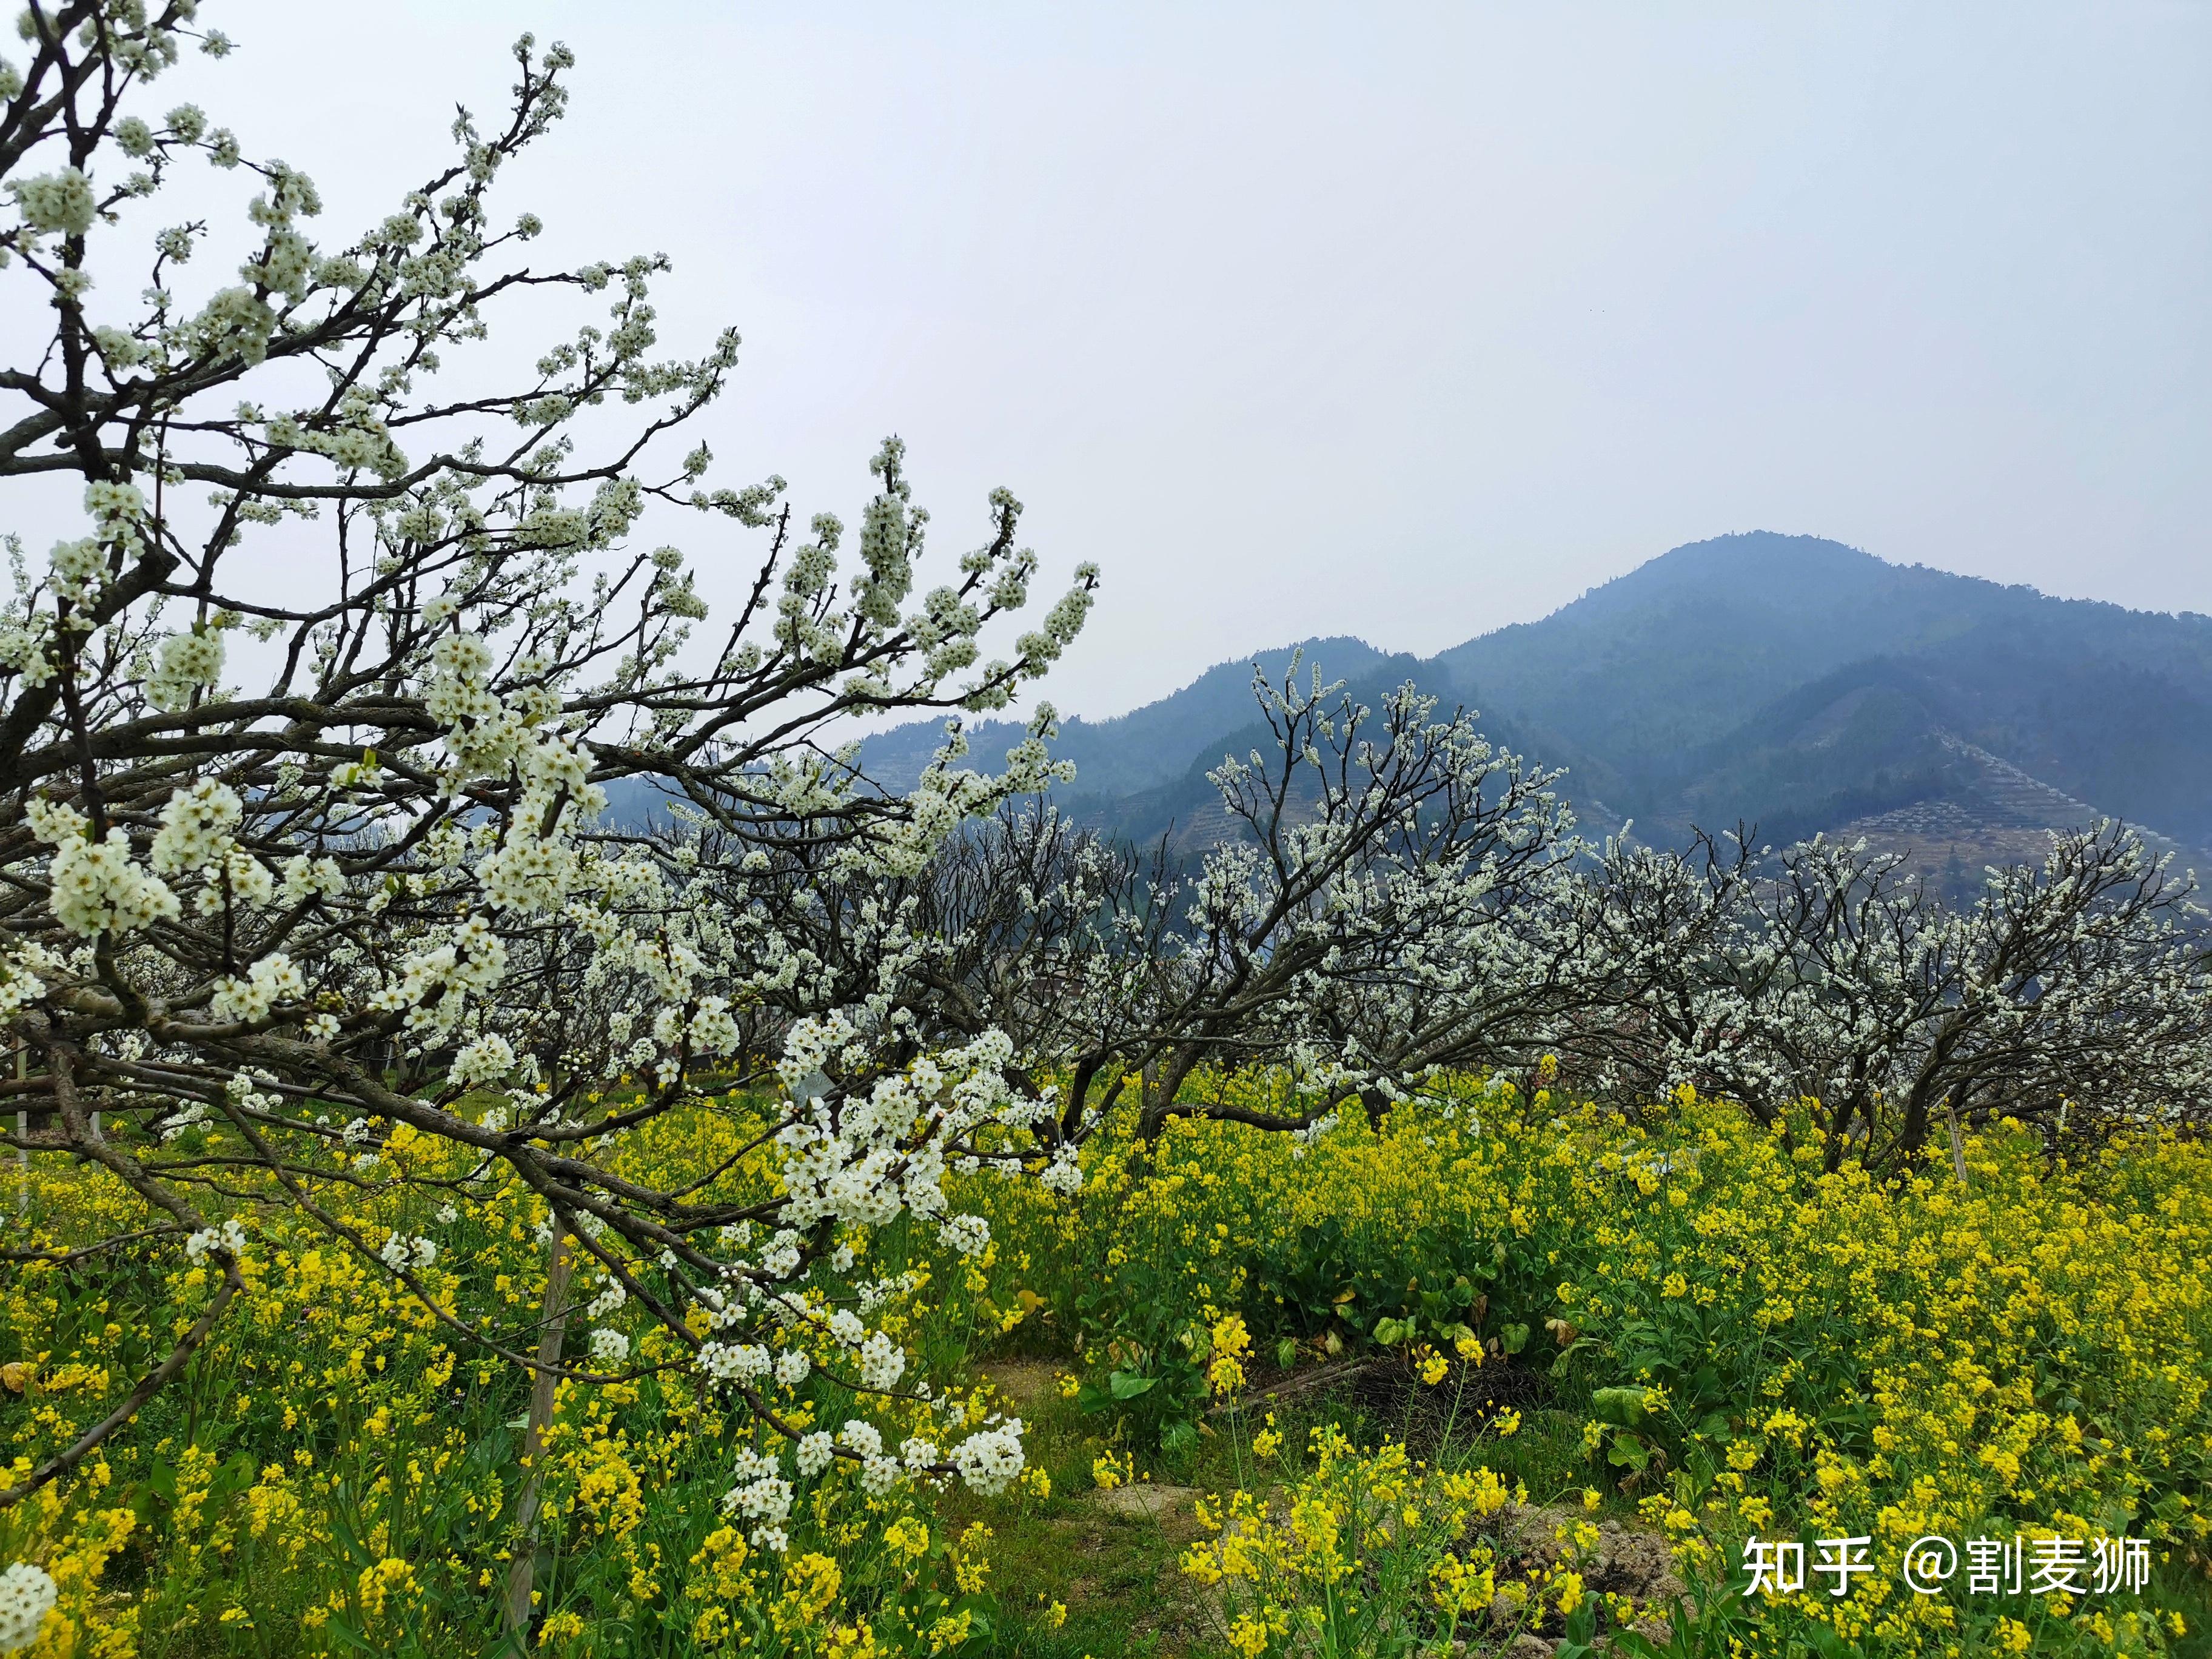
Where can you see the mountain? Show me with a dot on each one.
(1143, 749)
(1703, 634)
(1188, 809)
(1808, 685)
(1788, 681)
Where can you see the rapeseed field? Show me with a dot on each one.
(1417, 1386)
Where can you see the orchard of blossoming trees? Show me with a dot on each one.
(311, 912)
(339, 902)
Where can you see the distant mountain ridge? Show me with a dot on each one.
(1786, 680)
(1130, 752)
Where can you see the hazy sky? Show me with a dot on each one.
(1405, 321)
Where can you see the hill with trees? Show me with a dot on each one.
(1785, 681)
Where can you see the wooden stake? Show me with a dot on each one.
(23, 1129)
(522, 1570)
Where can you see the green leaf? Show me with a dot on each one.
(338, 1627)
(1629, 1453)
(1621, 1407)
(342, 1527)
(1128, 1385)
(1513, 1338)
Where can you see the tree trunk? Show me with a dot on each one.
(522, 1570)
(1913, 1138)
(1377, 1105)
(1151, 1111)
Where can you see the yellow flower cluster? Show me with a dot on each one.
(1225, 1373)
(1748, 1342)
(1357, 1551)
(1811, 1351)
(348, 1466)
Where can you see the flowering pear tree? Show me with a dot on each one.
(1379, 918)
(308, 729)
(1378, 914)
(1829, 979)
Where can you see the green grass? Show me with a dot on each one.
(1119, 1575)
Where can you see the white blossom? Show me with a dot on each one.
(61, 201)
(230, 1237)
(27, 1596)
(989, 1460)
(401, 1252)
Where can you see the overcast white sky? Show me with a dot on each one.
(1408, 321)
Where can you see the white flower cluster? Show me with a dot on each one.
(97, 886)
(877, 1291)
(26, 647)
(468, 957)
(27, 1596)
(862, 1161)
(24, 976)
(990, 1459)
(609, 1347)
(739, 1363)
(1062, 1173)
(970, 1235)
(272, 980)
(761, 1496)
(61, 201)
(713, 1030)
(781, 1258)
(878, 1474)
(883, 1362)
(100, 887)
(306, 878)
(606, 1300)
(401, 1252)
(79, 570)
(487, 1059)
(229, 1237)
(189, 662)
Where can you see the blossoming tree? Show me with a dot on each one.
(306, 734)
(1828, 980)
(1384, 906)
